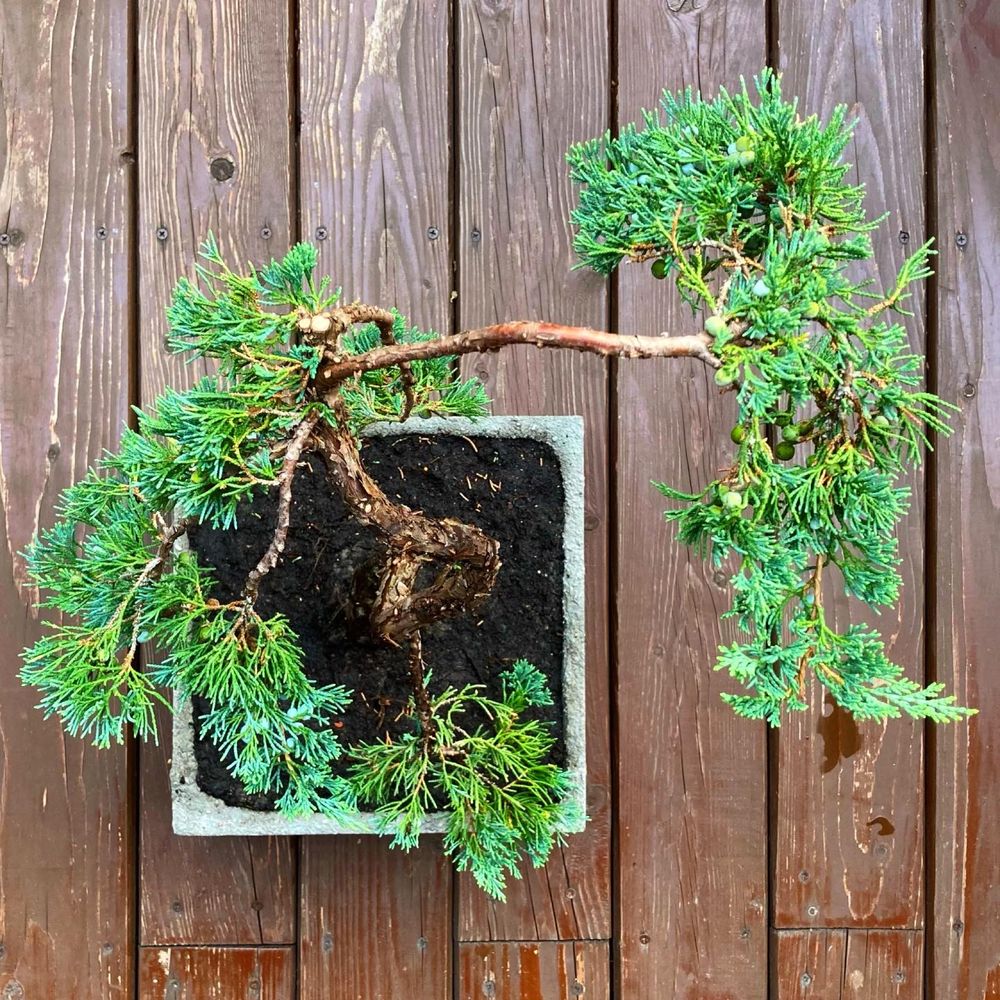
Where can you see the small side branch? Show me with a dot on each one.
(537, 334)
(358, 312)
(270, 558)
(420, 697)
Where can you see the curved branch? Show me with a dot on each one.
(537, 334)
(269, 559)
(468, 558)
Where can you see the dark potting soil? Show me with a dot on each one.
(511, 488)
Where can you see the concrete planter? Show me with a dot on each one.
(198, 814)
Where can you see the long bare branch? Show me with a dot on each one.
(537, 334)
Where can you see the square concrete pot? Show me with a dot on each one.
(197, 814)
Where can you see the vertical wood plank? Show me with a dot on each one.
(214, 154)
(692, 818)
(374, 151)
(374, 94)
(966, 940)
(884, 965)
(853, 964)
(809, 964)
(65, 203)
(532, 80)
(217, 973)
(546, 970)
(858, 860)
(375, 923)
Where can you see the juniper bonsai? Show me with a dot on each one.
(742, 202)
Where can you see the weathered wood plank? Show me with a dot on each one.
(858, 860)
(809, 964)
(65, 203)
(374, 94)
(374, 104)
(855, 964)
(214, 154)
(966, 940)
(692, 817)
(533, 79)
(530, 970)
(217, 973)
(374, 923)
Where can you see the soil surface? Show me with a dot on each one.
(510, 487)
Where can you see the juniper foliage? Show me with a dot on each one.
(747, 206)
(502, 796)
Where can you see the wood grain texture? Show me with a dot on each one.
(692, 817)
(217, 973)
(374, 923)
(374, 100)
(966, 928)
(858, 859)
(532, 79)
(65, 830)
(214, 93)
(374, 94)
(534, 970)
(849, 964)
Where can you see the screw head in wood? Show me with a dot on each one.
(476, 235)
(162, 233)
(805, 979)
(321, 233)
(961, 240)
(4, 239)
(101, 232)
(904, 237)
(265, 232)
(432, 232)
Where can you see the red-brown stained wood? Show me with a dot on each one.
(692, 821)
(533, 78)
(965, 961)
(214, 154)
(853, 964)
(528, 970)
(374, 923)
(850, 831)
(217, 974)
(65, 196)
(374, 92)
(809, 964)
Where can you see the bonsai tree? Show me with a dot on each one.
(745, 205)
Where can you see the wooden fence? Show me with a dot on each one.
(421, 144)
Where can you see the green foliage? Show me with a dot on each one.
(437, 389)
(502, 797)
(747, 206)
(197, 454)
